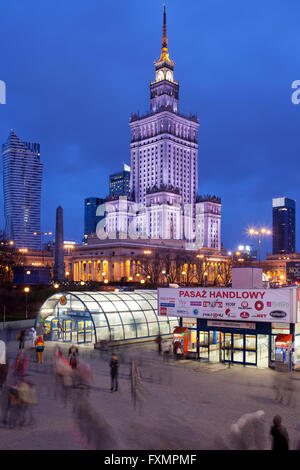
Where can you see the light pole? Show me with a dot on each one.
(26, 290)
(259, 232)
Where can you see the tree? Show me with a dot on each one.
(9, 257)
(226, 272)
(152, 268)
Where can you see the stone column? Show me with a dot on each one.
(59, 266)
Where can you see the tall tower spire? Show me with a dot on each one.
(165, 38)
(164, 57)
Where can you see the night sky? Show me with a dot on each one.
(76, 70)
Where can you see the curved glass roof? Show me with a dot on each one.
(116, 316)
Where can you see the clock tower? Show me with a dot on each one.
(164, 91)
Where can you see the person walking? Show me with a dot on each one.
(297, 437)
(73, 355)
(33, 336)
(166, 350)
(114, 371)
(279, 435)
(3, 363)
(39, 347)
(21, 338)
(158, 340)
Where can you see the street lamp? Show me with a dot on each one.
(26, 290)
(259, 232)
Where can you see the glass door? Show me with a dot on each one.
(225, 347)
(80, 331)
(88, 327)
(203, 345)
(67, 330)
(263, 350)
(238, 348)
(251, 349)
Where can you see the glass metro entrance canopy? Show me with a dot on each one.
(115, 316)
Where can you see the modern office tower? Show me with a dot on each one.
(119, 183)
(22, 183)
(283, 225)
(90, 218)
(59, 266)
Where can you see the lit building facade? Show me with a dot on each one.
(164, 170)
(22, 182)
(283, 225)
(152, 261)
(119, 183)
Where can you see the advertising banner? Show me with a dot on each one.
(249, 305)
(293, 271)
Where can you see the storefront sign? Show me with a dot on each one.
(232, 324)
(293, 271)
(249, 305)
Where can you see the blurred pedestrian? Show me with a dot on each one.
(228, 353)
(178, 351)
(114, 372)
(279, 435)
(63, 374)
(249, 430)
(39, 347)
(21, 363)
(158, 341)
(21, 339)
(297, 437)
(73, 355)
(3, 363)
(166, 350)
(32, 337)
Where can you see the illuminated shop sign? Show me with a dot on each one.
(249, 305)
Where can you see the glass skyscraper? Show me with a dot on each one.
(90, 218)
(283, 225)
(22, 184)
(119, 183)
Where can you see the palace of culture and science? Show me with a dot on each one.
(162, 217)
(164, 202)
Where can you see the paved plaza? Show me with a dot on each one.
(181, 405)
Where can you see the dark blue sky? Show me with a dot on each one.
(76, 70)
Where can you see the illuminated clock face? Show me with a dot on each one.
(169, 76)
(160, 75)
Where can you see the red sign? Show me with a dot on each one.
(63, 300)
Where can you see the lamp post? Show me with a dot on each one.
(26, 290)
(259, 232)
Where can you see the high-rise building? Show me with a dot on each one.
(164, 143)
(22, 183)
(119, 183)
(283, 225)
(164, 201)
(90, 217)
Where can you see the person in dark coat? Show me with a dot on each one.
(159, 340)
(21, 338)
(114, 370)
(279, 434)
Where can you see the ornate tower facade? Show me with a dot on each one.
(163, 202)
(164, 143)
